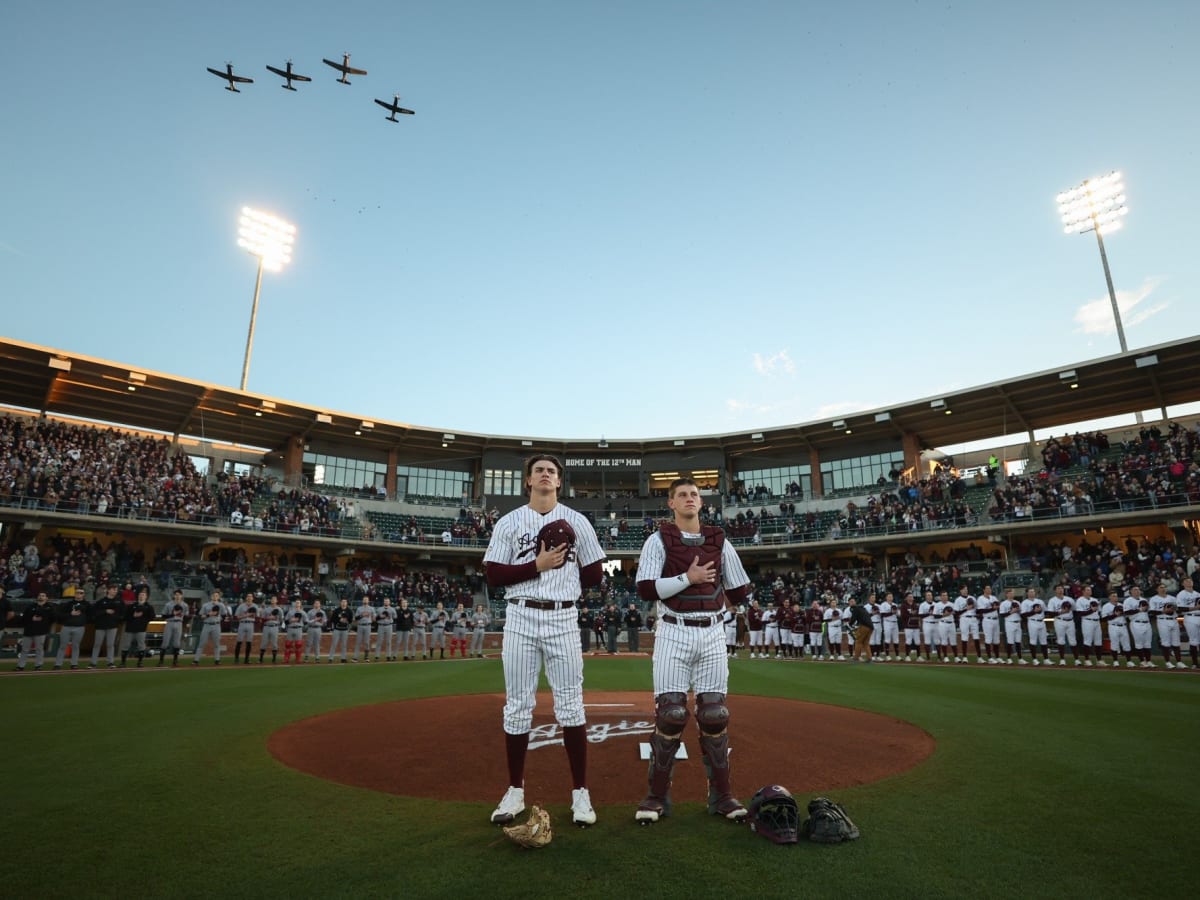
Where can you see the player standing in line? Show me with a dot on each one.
(316, 627)
(107, 614)
(385, 626)
(137, 619)
(729, 623)
(889, 628)
(405, 625)
(799, 628)
(1140, 629)
(633, 628)
(1010, 614)
(545, 555)
(909, 619)
(1091, 638)
(814, 621)
(784, 619)
(364, 617)
(36, 622)
(176, 613)
(927, 612)
(988, 606)
(210, 615)
(245, 616)
(1188, 602)
(584, 620)
(754, 624)
(461, 623)
(293, 641)
(1113, 612)
(273, 615)
(947, 632)
(876, 636)
(74, 616)
(1062, 608)
(968, 626)
(1033, 611)
(833, 630)
(339, 637)
(693, 574)
(770, 629)
(1162, 609)
(421, 632)
(479, 623)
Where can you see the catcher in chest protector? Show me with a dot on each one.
(534, 833)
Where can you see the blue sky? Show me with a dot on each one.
(632, 219)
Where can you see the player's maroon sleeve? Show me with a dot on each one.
(647, 590)
(590, 576)
(502, 574)
(738, 594)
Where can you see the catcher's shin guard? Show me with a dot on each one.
(713, 716)
(662, 764)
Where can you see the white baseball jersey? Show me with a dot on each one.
(514, 541)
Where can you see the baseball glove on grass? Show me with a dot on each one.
(827, 823)
(534, 833)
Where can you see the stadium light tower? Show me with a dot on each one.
(1097, 205)
(270, 239)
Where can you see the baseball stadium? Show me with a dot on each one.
(203, 761)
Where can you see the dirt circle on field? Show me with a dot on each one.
(452, 748)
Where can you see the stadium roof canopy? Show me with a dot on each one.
(61, 383)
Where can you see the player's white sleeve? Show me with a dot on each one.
(733, 574)
(587, 545)
(499, 548)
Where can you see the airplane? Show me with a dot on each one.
(345, 68)
(230, 77)
(289, 75)
(395, 107)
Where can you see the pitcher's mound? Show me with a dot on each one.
(452, 748)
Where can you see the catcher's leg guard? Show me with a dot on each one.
(670, 717)
(712, 715)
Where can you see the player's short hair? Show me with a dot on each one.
(538, 457)
(680, 482)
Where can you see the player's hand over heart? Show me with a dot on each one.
(701, 574)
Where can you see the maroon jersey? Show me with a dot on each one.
(909, 615)
(680, 556)
(754, 618)
(814, 618)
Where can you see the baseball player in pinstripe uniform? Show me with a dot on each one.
(1033, 611)
(1062, 608)
(176, 613)
(1113, 612)
(364, 617)
(273, 614)
(692, 573)
(1188, 602)
(340, 619)
(544, 554)
(1010, 615)
(1162, 610)
(245, 614)
(385, 624)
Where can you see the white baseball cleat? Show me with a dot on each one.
(1129, 663)
(1086, 662)
(1101, 662)
(1077, 662)
(1170, 665)
(1021, 662)
(581, 807)
(1035, 661)
(1062, 662)
(511, 806)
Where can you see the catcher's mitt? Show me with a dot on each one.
(534, 833)
(827, 823)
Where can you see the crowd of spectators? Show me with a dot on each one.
(65, 567)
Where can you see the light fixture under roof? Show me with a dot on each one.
(447, 437)
(937, 404)
(839, 424)
(883, 417)
(679, 443)
(757, 437)
(324, 419)
(57, 362)
(136, 380)
(1145, 362)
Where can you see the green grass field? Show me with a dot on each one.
(1044, 784)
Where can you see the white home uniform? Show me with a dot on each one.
(968, 624)
(1034, 611)
(833, 631)
(947, 634)
(1089, 624)
(771, 628)
(1141, 632)
(1188, 602)
(1010, 613)
(988, 606)
(889, 623)
(541, 626)
(1063, 610)
(1118, 630)
(876, 627)
(929, 626)
(1168, 625)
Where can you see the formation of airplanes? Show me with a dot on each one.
(289, 75)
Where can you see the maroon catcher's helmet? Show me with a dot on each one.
(774, 814)
(555, 534)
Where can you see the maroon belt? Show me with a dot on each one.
(544, 604)
(691, 623)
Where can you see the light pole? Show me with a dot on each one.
(270, 239)
(1097, 205)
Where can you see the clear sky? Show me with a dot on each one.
(629, 218)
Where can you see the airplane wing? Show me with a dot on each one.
(240, 78)
(217, 72)
(296, 77)
(403, 111)
(380, 102)
(279, 72)
(336, 65)
(351, 71)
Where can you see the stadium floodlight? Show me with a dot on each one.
(1097, 205)
(270, 239)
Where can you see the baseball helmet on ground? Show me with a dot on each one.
(774, 814)
(555, 534)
